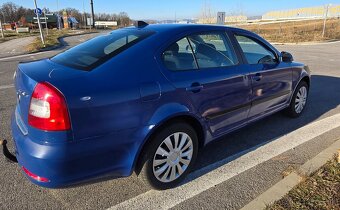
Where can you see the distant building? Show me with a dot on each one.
(8, 26)
(106, 24)
(310, 12)
(32, 20)
(69, 21)
(236, 19)
(52, 20)
(207, 20)
(228, 19)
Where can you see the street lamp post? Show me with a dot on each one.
(38, 18)
(325, 19)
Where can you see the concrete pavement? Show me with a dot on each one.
(15, 46)
(233, 193)
(281, 188)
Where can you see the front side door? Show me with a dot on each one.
(271, 80)
(204, 67)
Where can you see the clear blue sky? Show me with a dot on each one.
(167, 9)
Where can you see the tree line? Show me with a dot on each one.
(10, 12)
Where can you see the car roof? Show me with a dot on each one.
(170, 30)
(165, 28)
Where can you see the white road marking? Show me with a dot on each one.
(3, 87)
(22, 56)
(221, 171)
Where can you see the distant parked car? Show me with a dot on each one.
(145, 99)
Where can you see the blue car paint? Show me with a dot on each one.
(131, 95)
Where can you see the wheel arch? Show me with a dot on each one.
(180, 117)
(305, 79)
(300, 73)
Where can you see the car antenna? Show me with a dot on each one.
(140, 24)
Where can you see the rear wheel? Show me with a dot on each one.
(170, 156)
(299, 100)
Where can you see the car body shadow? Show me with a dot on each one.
(322, 99)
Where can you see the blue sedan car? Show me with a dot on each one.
(145, 99)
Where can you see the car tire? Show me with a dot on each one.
(169, 157)
(299, 101)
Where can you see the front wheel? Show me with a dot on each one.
(170, 156)
(299, 100)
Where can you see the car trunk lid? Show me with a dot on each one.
(27, 76)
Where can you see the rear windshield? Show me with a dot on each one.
(94, 52)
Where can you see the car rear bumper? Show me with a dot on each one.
(73, 162)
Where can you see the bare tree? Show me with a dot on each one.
(22, 12)
(123, 19)
(103, 16)
(9, 12)
(237, 10)
(207, 14)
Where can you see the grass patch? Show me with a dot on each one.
(300, 31)
(51, 39)
(320, 191)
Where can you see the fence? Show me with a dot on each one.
(311, 12)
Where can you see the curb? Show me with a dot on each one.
(331, 41)
(61, 44)
(281, 188)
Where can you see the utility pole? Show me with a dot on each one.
(38, 18)
(325, 19)
(92, 11)
(2, 30)
(84, 16)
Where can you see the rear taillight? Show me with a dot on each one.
(48, 109)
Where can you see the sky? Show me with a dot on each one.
(171, 9)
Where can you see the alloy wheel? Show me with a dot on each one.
(172, 157)
(300, 99)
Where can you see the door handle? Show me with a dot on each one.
(257, 77)
(195, 87)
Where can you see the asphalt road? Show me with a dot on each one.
(16, 192)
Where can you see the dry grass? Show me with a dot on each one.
(50, 40)
(320, 191)
(294, 32)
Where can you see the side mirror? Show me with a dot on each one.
(286, 57)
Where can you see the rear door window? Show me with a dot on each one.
(96, 51)
(179, 56)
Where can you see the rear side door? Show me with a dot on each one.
(271, 80)
(204, 68)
